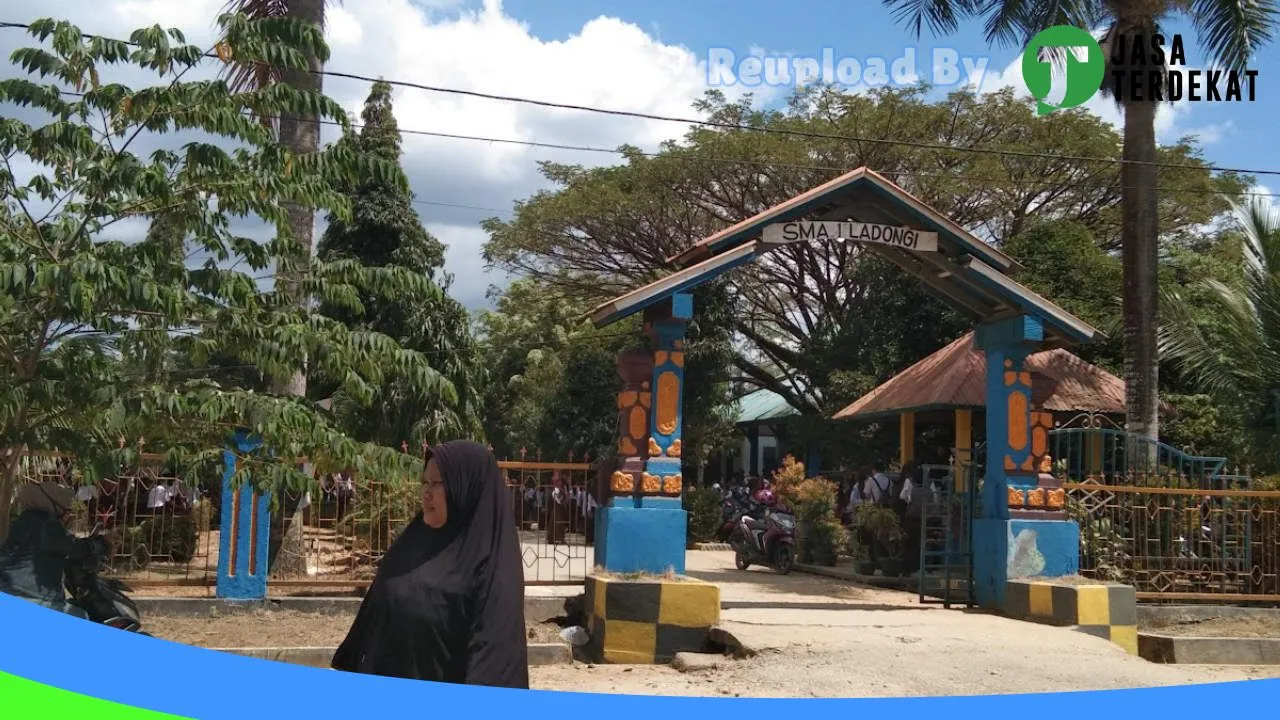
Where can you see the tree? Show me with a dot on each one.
(1230, 30)
(803, 312)
(556, 382)
(91, 327)
(1224, 332)
(299, 131)
(385, 231)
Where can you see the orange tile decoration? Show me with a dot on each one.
(650, 484)
(622, 482)
(672, 484)
(1057, 499)
(654, 450)
(637, 427)
(677, 359)
(1018, 421)
(1016, 498)
(627, 448)
(1035, 498)
(627, 398)
(668, 402)
(674, 450)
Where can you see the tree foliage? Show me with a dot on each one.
(115, 260)
(385, 231)
(804, 310)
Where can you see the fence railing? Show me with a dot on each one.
(1180, 543)
(1106, 455)
(164, 530)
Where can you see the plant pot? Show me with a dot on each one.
(804, 543)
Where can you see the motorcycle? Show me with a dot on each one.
(768, 540)
(736, 503)
(103, 599)
(91, 596)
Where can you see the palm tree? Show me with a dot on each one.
(1231, 30)
(1230, 347)
(301, 135)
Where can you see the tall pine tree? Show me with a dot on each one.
(384, 230)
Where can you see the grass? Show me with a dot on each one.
(669, 576)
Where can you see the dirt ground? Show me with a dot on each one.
(817, 637)
(1256, 627)
(277, 628)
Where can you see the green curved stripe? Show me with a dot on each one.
(25, 699)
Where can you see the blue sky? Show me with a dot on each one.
(637, 56)
(867, 28)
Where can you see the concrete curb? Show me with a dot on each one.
(1105, 610)
(319, 657)
(1158, 648)
(1154, 615)
(536, 609)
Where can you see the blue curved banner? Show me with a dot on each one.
(45, 651)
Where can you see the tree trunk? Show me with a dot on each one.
(1140, 253)
(301, 135)
(8, 484)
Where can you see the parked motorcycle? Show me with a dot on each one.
(103, 599)
(91, 596)
(768, 540)
(735, 504)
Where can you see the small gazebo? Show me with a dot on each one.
(949, 385)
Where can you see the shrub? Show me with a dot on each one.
(703, 506)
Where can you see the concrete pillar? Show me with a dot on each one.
(963, 446)
(906, 437)
(643, 526)
(1026, 541)
(245, 531)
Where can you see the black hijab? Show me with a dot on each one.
(447, 604)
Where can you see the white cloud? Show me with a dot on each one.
(1169, 116)
(607, 63)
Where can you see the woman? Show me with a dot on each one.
(447, 604)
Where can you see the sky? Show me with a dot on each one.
(649, 56)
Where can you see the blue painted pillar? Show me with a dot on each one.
(245, 531)
(1018, 543)
(643, 528)
(813, 462)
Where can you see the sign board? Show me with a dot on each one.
(891, 235)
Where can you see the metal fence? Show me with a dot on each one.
(164, 530)
(1180, 543)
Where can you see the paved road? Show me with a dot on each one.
(828, 638)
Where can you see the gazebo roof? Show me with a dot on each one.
(956, 377)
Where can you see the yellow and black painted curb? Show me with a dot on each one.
(1108, 611)
(648, 620)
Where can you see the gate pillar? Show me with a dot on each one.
(1022, 529)
(643, 526)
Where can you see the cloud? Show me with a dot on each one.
(448, 43)
(1169, 116)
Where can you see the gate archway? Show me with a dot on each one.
(642, 526)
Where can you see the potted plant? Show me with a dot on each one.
(882, 535)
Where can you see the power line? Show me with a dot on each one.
(740, 126)
(700, 158)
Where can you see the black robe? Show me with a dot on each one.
(447, 605)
